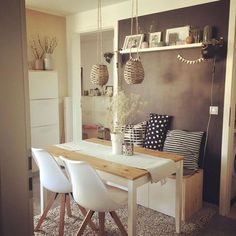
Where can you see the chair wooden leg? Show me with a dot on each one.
(118, 222)
(85, 222)
(62, 214)
(52, 199)
(68, 209)
(84, 212)
(101, 216)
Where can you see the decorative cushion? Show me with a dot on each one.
(135, 133)
(156, 131)
(184, 143)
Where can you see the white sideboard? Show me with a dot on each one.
(44, 113)
(95, 110)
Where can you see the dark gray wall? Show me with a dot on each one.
(181, 90)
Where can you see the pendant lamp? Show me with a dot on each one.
(134, 72)
(99, 73)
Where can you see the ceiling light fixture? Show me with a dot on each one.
(99, 73)
(134, 72)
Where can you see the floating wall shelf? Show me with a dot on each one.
(183, 46)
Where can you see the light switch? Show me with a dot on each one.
(213, 110)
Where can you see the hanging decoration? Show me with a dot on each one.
(99, 73)
(134, 72)
(190, 62)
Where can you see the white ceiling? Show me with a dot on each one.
(66, 7)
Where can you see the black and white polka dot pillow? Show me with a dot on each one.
(156, 131)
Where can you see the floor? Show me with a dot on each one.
(219, 226)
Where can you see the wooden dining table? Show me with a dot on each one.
(129, 177)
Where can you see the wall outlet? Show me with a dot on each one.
(213, 110)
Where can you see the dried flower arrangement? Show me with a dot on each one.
(38, 52)
(49, 44)
(122, 109)
(40, 47)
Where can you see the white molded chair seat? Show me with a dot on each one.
(90, 192)
(53, 179)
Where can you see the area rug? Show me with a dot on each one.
(149, 222)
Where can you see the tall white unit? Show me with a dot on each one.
(44, 111)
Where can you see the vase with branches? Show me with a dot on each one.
(43, 49)
(121, 111)
(37, 52)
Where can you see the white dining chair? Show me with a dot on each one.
(54, 179)
(90, 192)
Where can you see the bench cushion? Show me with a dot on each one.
(156, 131)
(184, 143)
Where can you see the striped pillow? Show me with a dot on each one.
(184, 143)
(135, 133)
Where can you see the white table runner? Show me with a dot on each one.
(158, 168)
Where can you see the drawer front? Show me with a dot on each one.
(44, 112)
(43, 84)
(44, 136)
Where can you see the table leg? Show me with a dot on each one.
(178, 195)
(43, 198)
(132, 208)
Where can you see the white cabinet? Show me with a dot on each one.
(95, 110)
(44, 114)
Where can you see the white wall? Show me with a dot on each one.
(87, 21)
(89, 57)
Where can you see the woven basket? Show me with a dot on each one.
(99, 74)
(134, 73)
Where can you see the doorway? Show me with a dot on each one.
(94, 99)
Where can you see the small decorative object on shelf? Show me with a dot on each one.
(37, 52)
(207, 33)
(189, 39)
(197, 35)
(154, 39)
(177, 36)
(133, 41)
(49, 47)
(144, 44)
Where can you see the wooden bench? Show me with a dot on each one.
(161, 197)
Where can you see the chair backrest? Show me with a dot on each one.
(88, 189)
(51, 174)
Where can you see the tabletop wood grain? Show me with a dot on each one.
(123, 171)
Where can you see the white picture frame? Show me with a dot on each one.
(133, 41)
(177, 36)
(154, 39)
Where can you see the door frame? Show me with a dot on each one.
(227, 153)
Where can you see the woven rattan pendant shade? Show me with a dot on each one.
(99, 72)
(134, 72)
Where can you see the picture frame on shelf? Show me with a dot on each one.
(133, 41)
(154, 39)
(109, 91)
(177, 36)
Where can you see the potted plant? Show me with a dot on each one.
(121, 111)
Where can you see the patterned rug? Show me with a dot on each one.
(149, 222)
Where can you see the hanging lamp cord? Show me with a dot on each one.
(99, 33)
(134, 2)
